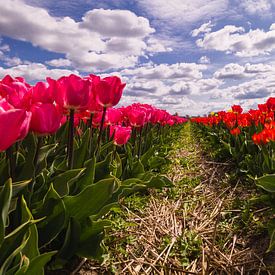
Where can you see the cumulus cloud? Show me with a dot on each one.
(204, 60)
(182, 13)
(34, 72)
(258, 7)
(234, 40)
(60, 62)
(204, 28)
(166, 71)
(102, 40)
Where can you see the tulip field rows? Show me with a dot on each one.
(84, 182)
(66, 158)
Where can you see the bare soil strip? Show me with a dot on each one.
(197, 227)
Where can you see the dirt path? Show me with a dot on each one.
(197, 227)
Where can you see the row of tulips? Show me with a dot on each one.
(248, 139)
(66, 158)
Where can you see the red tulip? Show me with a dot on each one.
(14, 126)
(137, 117)
(46, 118)
(113, 116)
(44, 91)
(108, 91)
(237, 109)
(16, 91)
(235, 131)
(121, 134)
(271, 103)
(72, 92)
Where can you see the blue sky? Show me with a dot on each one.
(190, 56)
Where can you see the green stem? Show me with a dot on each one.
(10, 160)
(71, 140)
(100, 131)
(91, 134)
(139, 142)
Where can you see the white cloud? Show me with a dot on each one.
(60, 62)
(204, 60)
(34, 72)
(101, 41)
(231, 70)
(182, 13)
(204, 28)
(235, 40)
(258, 7)
(119, 23)
(166, 71)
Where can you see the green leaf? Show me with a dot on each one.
(71, 241)
(37, 264)
(267, 183)
(5, 199)
(91, 199)
(102, 169)
(146, 156)
(62, 182)
(8, 258)
(138, 169)
(156, 162)
(82, 151)
(17, 187)
(117, 164)
(31, 248)
(53, 211)
(89, 175)
(29, 144)
(14, 241)
(91, 237)
(106, 146)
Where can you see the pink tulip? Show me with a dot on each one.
(16, 91)
(44, 91)
(137, 117)
(46, 118)
(14, 126)
(121, 134)
(72, 92)
(113, 116)
(108, 91)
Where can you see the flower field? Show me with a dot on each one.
(248, 140)
(71, 160)
(66, 158)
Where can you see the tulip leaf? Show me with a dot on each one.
(92, 234)
(31, 248)
(156, 162)
(62, 182)
(17, 187)
(102, 169)
(53, 211)
(5, 200)
(71, 241)
(147, 155)
(88, 176)
(91, 199)
(81, 153)
(267, 182)
(15, 241)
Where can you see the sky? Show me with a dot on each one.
(186, 56)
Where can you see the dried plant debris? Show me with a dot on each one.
(202, 225)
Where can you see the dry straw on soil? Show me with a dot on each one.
(201, 210)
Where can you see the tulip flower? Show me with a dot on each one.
(108, 91)
(46, 118)
(44, 91)
(15, 124)
(16, 91)
(121, 134)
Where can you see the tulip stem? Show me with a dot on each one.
(139, 142)
(91, 134)
(71, 140)
(10, 160)
(100, 131)
(38, 146)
